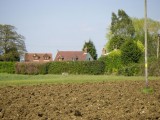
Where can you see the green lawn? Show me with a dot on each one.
(14, 79)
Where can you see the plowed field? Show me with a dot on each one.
(122, 100)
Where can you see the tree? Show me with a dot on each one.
(121, 29)
(115, 43)
(122, 24)
(90, 49)
(11, 55)
(11, 43)
(153, 27)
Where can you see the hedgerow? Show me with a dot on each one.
(110, 64)
(7, 67)
(77, 67)
(72, 67)
(31, 68)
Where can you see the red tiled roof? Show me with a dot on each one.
(71, 56)
(38, 57)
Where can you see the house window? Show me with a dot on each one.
(35, 57)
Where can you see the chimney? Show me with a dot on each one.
(85, 50)
(104, 52)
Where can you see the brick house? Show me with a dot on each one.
(73, 56)
(38, 57)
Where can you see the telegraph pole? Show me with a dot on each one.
(145, 27)
(158, 44)
(158, 47)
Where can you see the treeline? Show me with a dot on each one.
(125, 46)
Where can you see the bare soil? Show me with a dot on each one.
(123, 100)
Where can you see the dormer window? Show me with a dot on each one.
(36, 57)
(46, 57)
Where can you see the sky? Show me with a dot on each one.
(65, 25)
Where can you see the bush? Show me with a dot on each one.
(7, 67)
(112, 62)
(76, 67)
(138, 69)
(132, 51)
(154, 67)
(134, 69)
(31, 68)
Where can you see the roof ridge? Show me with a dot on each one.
(37, 53)
(70, 51)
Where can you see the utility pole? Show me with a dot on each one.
(145, 27)
(158, 44)
(158, 47)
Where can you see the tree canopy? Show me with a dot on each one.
(121, 25)
(152, 33)
(120, 30)
(12, 44)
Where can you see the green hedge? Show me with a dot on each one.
(31, 68)
(7, 67)
(82, 67)
(77, 67)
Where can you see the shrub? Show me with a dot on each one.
(76, 67)
(138, 69)
(7, 67)
(135, 69)
(132, 51)
(112, 62)
(154, 67)
(31, 68)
